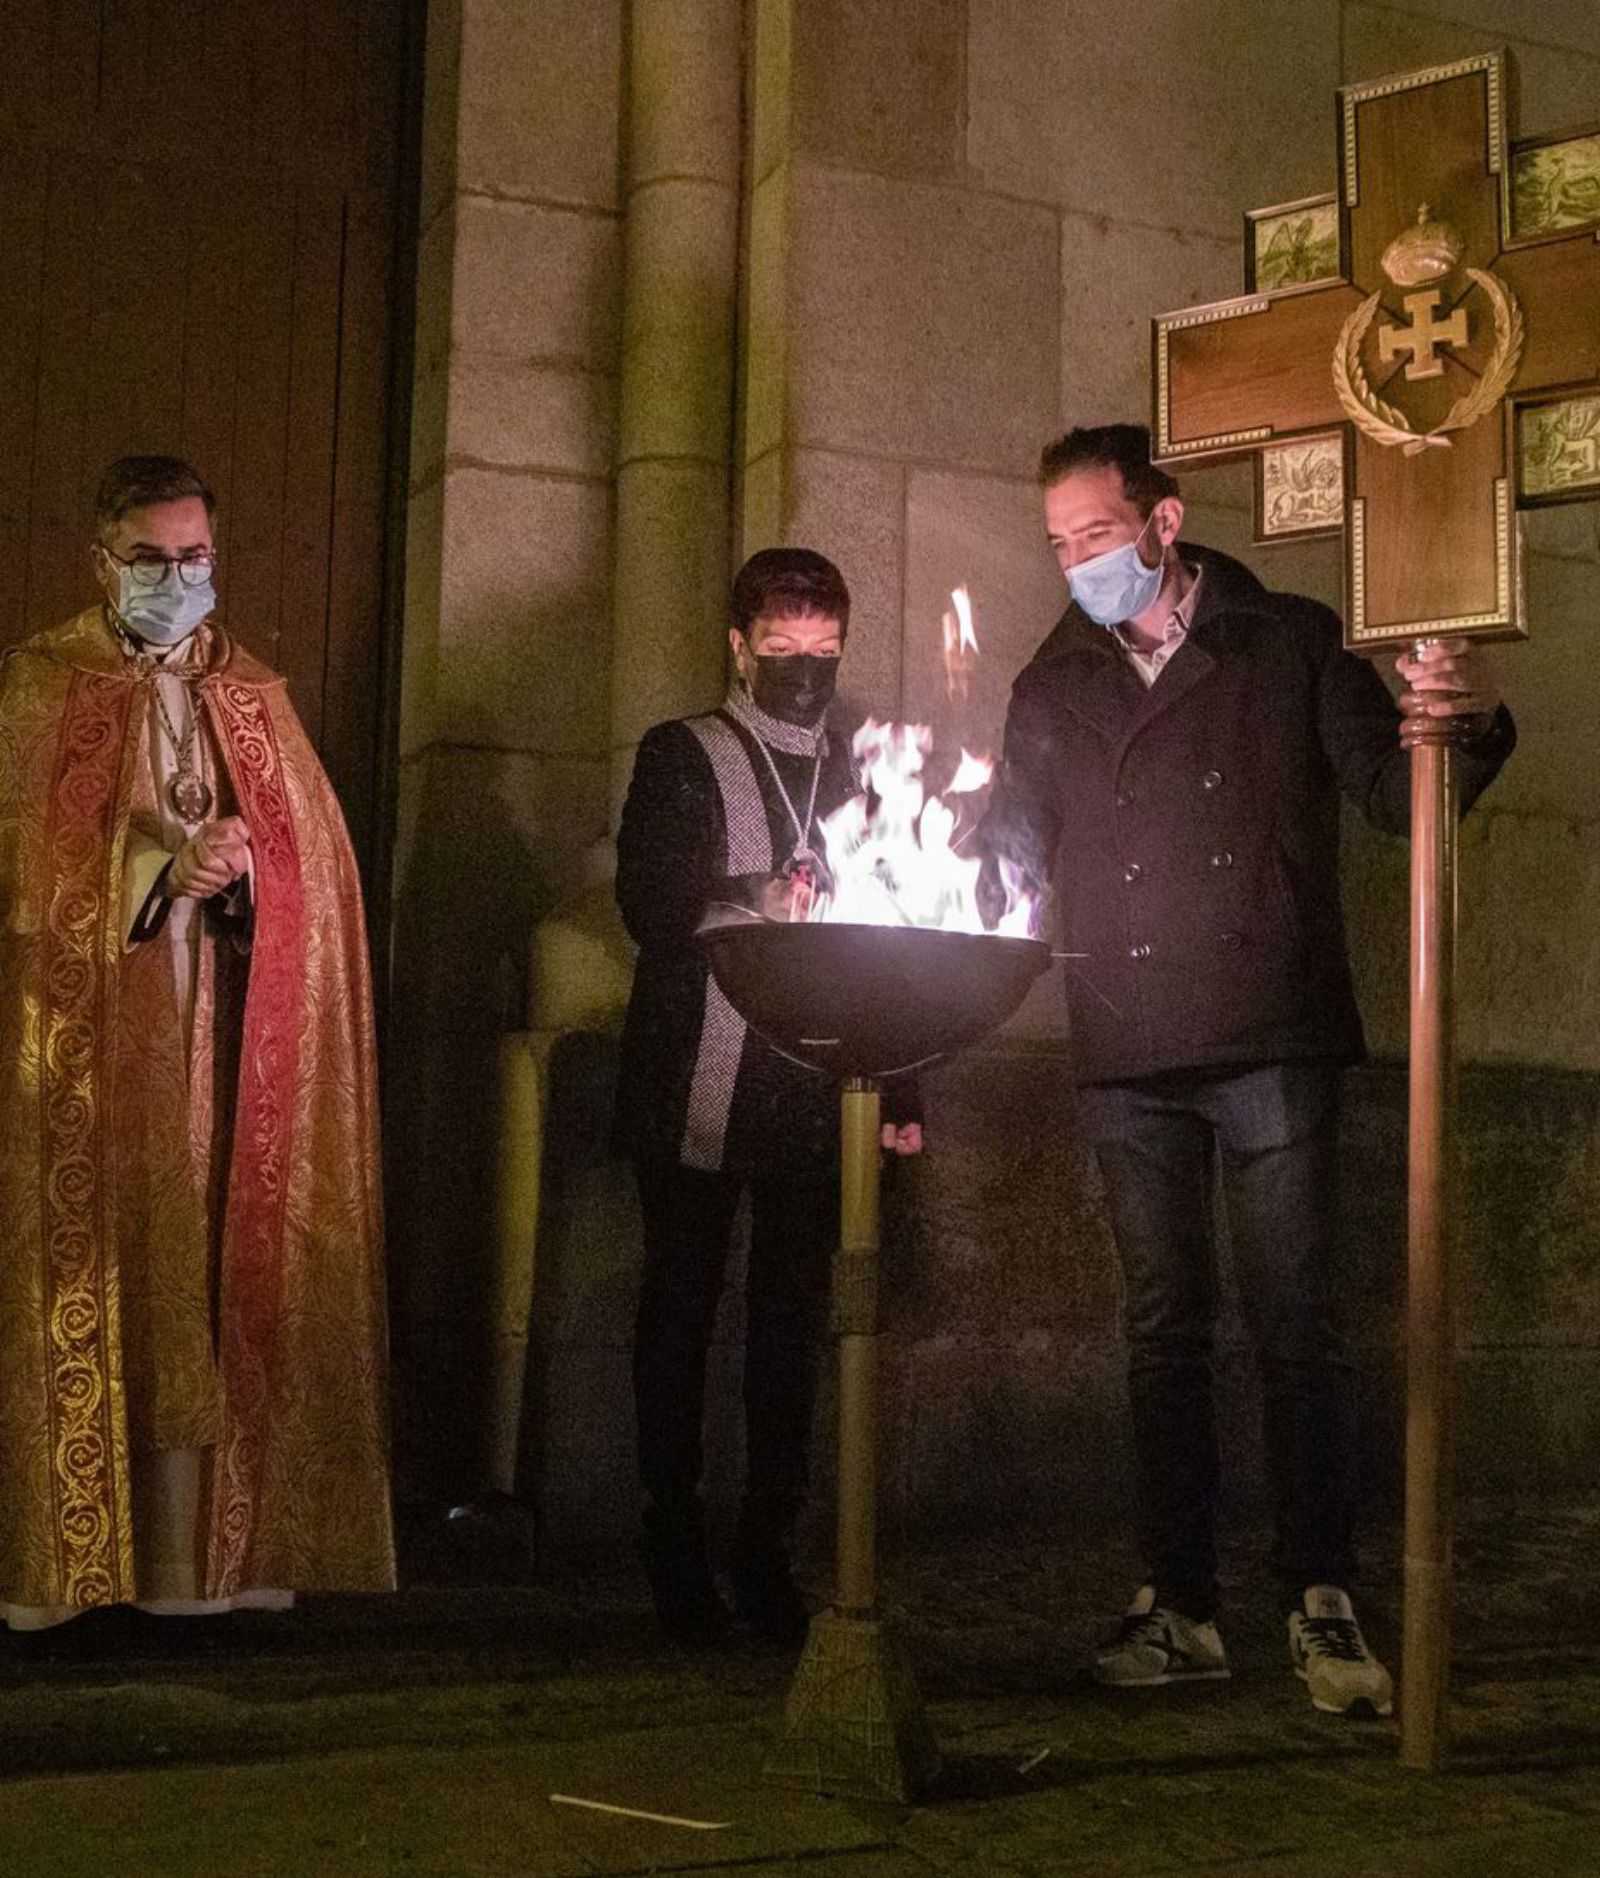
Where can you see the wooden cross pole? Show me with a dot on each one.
(1409, 328)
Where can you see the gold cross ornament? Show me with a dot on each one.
(1423, 335)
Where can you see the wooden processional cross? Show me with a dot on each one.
(1424, 358)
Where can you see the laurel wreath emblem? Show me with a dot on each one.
(1386, 424)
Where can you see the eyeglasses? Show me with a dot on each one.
(149, 570)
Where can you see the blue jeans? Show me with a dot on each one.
(1160, 1142)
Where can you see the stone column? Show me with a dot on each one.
(675, 420)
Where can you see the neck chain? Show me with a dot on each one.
(187, 792)
(771, 733)
(803, 851)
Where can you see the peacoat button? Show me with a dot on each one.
(1138, 952)
(1132, 872)
(1233, 940)
(1222, 859)
(1212, 779)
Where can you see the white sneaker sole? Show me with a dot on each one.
(1360, 1705)
(1163, 1681)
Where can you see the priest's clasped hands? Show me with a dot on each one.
(210, 861)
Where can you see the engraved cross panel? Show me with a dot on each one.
(1440, 322)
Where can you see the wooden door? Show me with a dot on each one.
(198, 211)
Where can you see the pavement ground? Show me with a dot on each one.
(425, 1734)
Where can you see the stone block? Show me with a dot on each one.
(532, 283)
(541, 99)
(430, 415)
(1541, 1003)
(435, 288)
(1530, 1199)
(988, 534)
(1048, 1423)
(525, 613)
(771, 87)
(1114, 280)
(764, 394)
(1553, 689)
(1308, 567)
(1530, 1423)
(1180, 118)
(1041, 1018)
(493, 837)
(1000, 1232)
(1572, 24)
(1569, 531)
(923, 323)
(441, 88)
(761, 504)
(533, 417)
(852, 509)
(881, 84)
(490, 837)
(685, 75)
(669, 661)
(1375, 876)
(677, 342)
(1556, 87)
(419, 647)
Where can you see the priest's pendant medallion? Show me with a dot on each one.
(189, 796)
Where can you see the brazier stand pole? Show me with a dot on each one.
(855, 1310)
(853, 1722)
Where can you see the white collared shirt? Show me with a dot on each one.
(1149, 664)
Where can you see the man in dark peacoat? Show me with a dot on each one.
(1174, 757)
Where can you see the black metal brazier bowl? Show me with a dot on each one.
(867, 1000)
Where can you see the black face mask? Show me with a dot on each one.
(796, 688)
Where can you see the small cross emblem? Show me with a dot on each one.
(1422, 335)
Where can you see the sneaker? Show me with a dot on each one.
(1157, 1645)
(1331, 1657)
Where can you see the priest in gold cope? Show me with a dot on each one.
(192, 1386)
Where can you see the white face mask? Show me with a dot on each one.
(1116, 585)
(165, 614)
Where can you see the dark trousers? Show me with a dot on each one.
(688, 1224)
(1160, 1143)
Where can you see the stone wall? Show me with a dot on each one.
(959, 216)
(505, 731)
(1003, 1368)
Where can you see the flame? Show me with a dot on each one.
(894, 849)
(960, 643)
(972, 774)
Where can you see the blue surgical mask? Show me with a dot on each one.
(1116, 585)
(166, 614)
